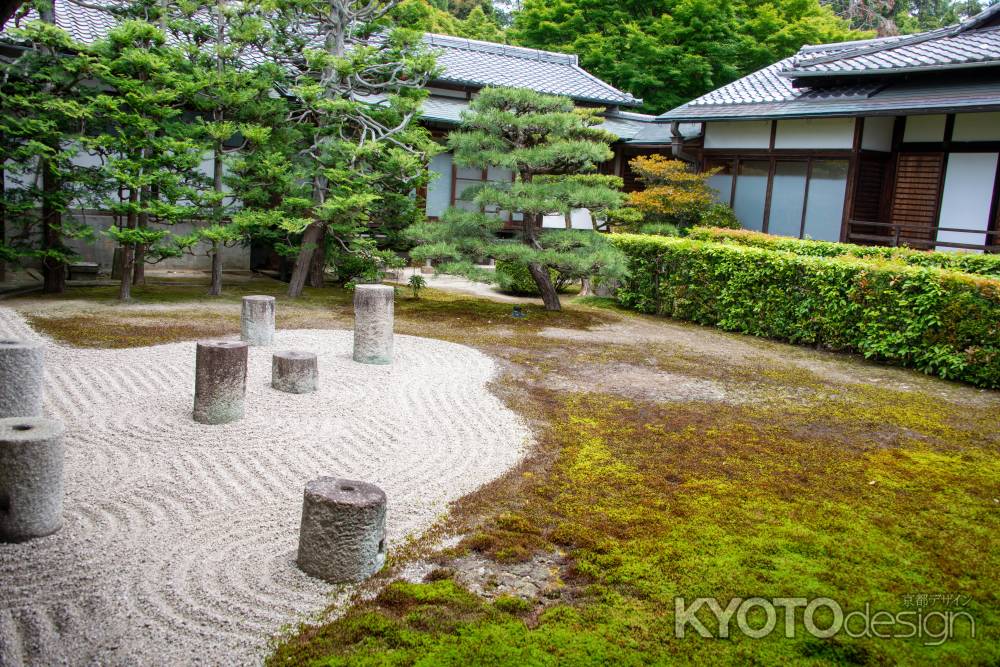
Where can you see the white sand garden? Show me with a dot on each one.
(179, 539)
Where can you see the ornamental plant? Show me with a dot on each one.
(552, 149)
(674, 193)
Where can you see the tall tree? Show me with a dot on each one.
(147, 146)
(232, 92)
(357, 92)
(43, 110)
(670, 51)
(552, 150)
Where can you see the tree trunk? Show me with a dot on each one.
(216, 288)
(317, 266)
(139, 270)
(128, 252)
(3, 221)
(585, 289)
(128, 265)
(541, 275)
(304, 261)
(53, 271)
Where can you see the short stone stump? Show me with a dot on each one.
(31, 477)
(220, 381)
(294, 372)
(257, 320)
(373, 320)
(22, 366)
(342, 536)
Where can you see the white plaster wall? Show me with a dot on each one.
(815, 133)
(977, 126)
(968, 193)
(579, 218)
(102, 249)
(877, 133)
(738, 134)
(924, 128)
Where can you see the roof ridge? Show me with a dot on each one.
(482, 46)
(878, 44)
(904, 40)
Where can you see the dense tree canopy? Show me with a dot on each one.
(670, 51)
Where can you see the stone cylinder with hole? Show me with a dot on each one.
(342, 535)
(373, 320)
(31, 477)
(22, 366)
(294, 372)
(220, 381)
(257, 320)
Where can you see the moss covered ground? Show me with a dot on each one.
(808, 475)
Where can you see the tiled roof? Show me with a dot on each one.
(938, 50)
(793, 87)
(464, 61)
(475, 63)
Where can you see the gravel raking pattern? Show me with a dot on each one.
(179, 539)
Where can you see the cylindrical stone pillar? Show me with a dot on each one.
(373, 315)
(342, 537)
(294, 372)
(257, 320)
(31, 477)
(22, 364)
(220, 381)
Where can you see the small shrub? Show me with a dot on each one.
(719, 215)
(940, 322)
(416, 284)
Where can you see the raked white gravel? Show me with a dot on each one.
(179, 539)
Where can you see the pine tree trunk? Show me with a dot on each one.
(3, 220)
(216, 288)
(302, 263)
(549, 295)
(128, 252)
(128, 264)
(585, 289)
(317, 266)
(53, 271)
(139, 271)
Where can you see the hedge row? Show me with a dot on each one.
(941, 322)
(968, 262)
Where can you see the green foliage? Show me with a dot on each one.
(942, 323)
(670, 51)
(967, 262)
(43, 107)
(552, 148)
(476, 22)
(513, 277)
(720, 216)
(416, 283)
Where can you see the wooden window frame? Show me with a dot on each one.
(773, 157)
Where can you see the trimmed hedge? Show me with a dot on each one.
(968, 262)
(943, 323)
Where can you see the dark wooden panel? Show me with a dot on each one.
(917, 192)
(868, 193)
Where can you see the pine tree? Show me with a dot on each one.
(549, 146)
(43, 110)
(236, 109)
(147, 146)
(357, 92)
